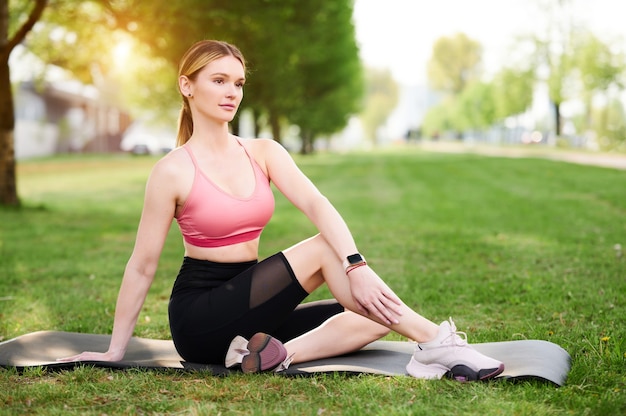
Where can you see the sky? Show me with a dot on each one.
(399, 34)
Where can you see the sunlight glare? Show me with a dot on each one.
(121, 52)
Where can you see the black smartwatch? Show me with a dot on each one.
(353, 260)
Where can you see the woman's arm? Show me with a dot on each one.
(368, 290)
(156, 218)
(305, 196)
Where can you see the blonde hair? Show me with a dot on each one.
(193, 61)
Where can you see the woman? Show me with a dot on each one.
(217, 187)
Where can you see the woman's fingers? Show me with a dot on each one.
(381, 308)
(374, 298)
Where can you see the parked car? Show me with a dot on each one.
(142, 138)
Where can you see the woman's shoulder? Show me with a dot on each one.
(262, 147)
(173, 163)
(254, 142)
(266, 152)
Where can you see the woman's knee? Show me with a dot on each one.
(379, 330)
(367, 327)
(313, 251)
(307, 260)
(321, 245)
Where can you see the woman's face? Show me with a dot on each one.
(218, 89)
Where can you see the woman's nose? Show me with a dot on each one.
(232, 90)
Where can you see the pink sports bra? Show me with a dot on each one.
(213, 218)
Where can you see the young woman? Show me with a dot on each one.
(217, 186)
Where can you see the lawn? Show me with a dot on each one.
(510, 248)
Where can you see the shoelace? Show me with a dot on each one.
(242, 351)
(456, 336)
(284, 365)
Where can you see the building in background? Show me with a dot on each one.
(58, 114)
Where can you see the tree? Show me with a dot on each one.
(439, 118)
(280, 54)
(381, 97)
(513, 91)
(92, 31)
(553, 54)
(329, 71)
(274, 84)
(476, 107)
(559, 65)
(611, 126)
(14, 26)
(599, 69)
(455, 62)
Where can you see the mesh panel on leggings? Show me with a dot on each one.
(269, 278)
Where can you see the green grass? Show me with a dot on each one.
(511, 248)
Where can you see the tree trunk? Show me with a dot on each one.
(8, 188)
(275, 125)
(234, 125)
(557, 119)
(257, 123)
(307, 143)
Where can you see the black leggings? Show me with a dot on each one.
(213, 302)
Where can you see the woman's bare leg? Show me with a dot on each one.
(314, 262)
(341, 334)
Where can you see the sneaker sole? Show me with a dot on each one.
(426, 371)
(463, 373)
(459, 372)
(266, 353)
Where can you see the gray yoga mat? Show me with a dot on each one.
(523, 360)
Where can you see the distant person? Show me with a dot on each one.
(227, 307)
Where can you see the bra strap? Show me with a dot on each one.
(190, 153)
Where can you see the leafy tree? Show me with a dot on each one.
(280, 53)
(476, 107)
(455, 62)
(513, 91)
(93, 29)
(381, 97)
(454, 65)
(611, 126)
(329, 71)
(14, 26)
(552, 57)
(574, 64)
(439, 118)
(599, 69)
(271, 38)
(560, 66)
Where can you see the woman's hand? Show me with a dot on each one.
(373, 297)
(92, 356)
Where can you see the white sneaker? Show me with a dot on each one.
(449, 355)
(236, 351)
(261, 353)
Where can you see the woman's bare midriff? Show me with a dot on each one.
(234, 253)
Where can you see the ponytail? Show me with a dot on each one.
(185, 124)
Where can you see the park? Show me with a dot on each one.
(516, 240)
(523, 248)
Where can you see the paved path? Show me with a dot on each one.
(608, 160)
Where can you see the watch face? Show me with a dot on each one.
(355, 258)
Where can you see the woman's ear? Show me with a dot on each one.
(184, 85)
